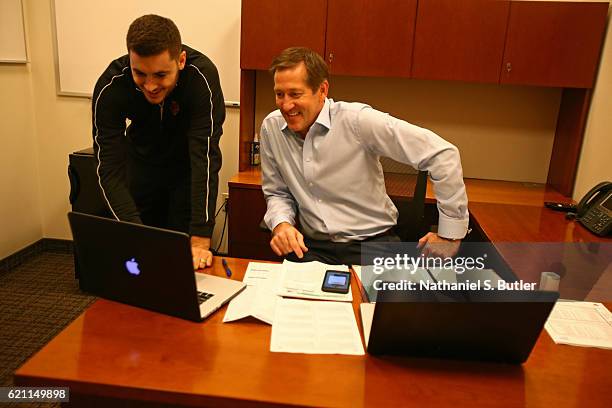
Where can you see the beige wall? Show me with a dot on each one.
(20, 204)
(49, 128)
(502, 132)
(594, 164)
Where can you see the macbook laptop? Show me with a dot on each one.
(468, 325)
(145, 266)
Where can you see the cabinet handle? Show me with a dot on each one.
(508, 66)
(330, 58)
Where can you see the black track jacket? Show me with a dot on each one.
(183, 134)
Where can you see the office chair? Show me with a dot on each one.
(411, 221)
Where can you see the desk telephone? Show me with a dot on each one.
(594, 211)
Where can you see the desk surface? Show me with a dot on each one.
(478, 190)
(113, 350)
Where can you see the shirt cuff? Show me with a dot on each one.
(273, 222)
(452, 228)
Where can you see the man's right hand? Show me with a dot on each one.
(286, 239)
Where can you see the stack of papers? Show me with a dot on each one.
(315, 327)
(580, 324)
(259, 298)
(298, 326)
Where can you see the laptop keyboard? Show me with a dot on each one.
(203, 297)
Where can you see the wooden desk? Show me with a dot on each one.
(113, 351)
(504, 211)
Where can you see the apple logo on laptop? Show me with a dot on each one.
(132, 266)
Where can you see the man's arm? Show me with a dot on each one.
(281, 206)
(423, 150)
(108, 125)
(207, 117)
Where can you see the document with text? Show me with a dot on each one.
(585, 324)
(259, 298)
(315, 327)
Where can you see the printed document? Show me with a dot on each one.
(315, 327)
(259, 298)
(585, 324)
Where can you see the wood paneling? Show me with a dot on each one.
(553, 43)
(247, 117)
(270, 26)
(569, 134)
(370, 37)
(246, 239)
(460, 40)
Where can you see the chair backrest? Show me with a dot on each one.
(410, 224)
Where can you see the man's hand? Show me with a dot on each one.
(286, 238)
(434, 246)
(200, 251)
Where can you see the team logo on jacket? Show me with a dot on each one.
(174, 108)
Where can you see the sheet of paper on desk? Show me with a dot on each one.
(259, 298)
(315, 327)
(580, 324)
(304, 280)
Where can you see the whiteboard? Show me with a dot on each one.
(90, 34)
(12, 33)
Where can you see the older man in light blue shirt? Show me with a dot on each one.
(320, 159)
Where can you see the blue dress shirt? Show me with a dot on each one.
(334, 180)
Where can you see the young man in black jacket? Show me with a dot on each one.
(157, 117)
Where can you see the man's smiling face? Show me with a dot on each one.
(298, 103)
(156, 75)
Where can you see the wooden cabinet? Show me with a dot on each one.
(460, 40)
(270, 26)
(370, 37)
(246, 211)
(553, 43)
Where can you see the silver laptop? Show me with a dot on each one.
(146, 267)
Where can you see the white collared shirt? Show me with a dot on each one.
(334, 180)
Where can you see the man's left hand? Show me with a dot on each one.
(434, 246)
(200, 251)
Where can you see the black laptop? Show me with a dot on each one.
(495, 325)
(146, 267)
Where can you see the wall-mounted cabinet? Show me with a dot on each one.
(270, 26)
(460, 40)
(537, 43)
(553, 43)
(370, 37)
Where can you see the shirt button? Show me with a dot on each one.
(309, 184)
(308, 159)
(319, 200)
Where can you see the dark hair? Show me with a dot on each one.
(151, 35)
(316, 68)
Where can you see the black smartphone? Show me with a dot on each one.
(336, 281)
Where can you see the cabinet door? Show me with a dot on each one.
(460, 40)
(270, 26)
(370, 37)
(553, 43)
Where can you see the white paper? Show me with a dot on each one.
(367, 315)
(315, 327)
(304, 280)
(259, 298)
(580, 324)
